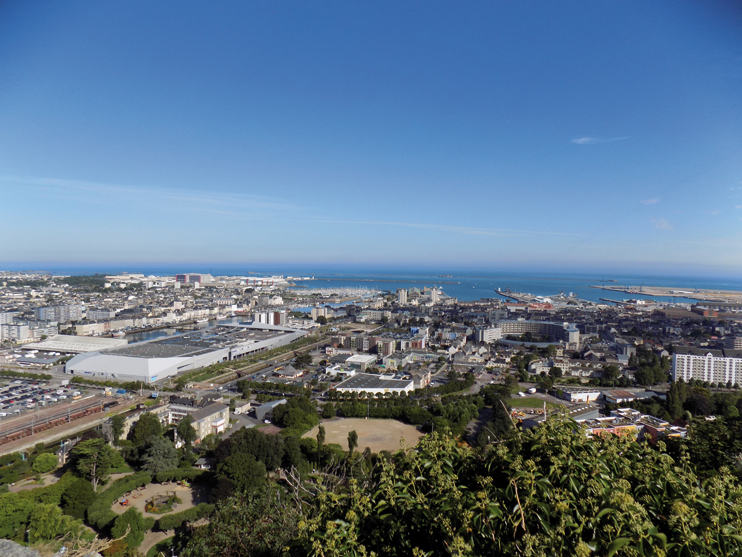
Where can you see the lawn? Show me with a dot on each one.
(531, 402)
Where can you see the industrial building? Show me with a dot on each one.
(157, 359)
(370, 383)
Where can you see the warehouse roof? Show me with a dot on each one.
(364, 381)
(74, 344)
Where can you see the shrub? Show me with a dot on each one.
(178, 474)
(44, 463)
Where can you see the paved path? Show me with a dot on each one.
(190, 497)
(151, 539)
(49, 479)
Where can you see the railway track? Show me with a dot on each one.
(32, 425)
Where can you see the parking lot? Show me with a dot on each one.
(19, 396)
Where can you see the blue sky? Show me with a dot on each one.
(501, 135)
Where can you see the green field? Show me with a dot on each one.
(531, 402)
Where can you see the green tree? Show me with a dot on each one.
(328, 411)
(610, 372)
(45, 462)
(78, 496)
(303, 360)
(14, 514)
(147, 426)
(320, 437)
(117, 426)
(94, 459)
(352, 441)
(132, 520)
(321, 319)
(272, 520)
(159, 455)
(555, 372)
(45, 522)
(187, 432)
(243, 472)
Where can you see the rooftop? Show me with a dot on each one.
(362, 381)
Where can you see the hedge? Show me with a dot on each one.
(99, 513)
(171, 521)
(178, 474)
(25, 374)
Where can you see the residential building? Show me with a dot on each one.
(713, 366)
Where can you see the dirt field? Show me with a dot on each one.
(377, 435)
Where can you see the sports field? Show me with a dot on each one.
(377, 435)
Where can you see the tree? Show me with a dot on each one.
(78, 496)
(303, 360)
(243, 473)
(328, 411)
(611, 372)
(272, 521)
(187, 432)
(555, 372)
(321, 319)
(147, 426)
(45, 462)
(320, 437)
(94, 459)
(45, 522)
(352, 441)
(117, 426)
(132, 520)
(159, 455)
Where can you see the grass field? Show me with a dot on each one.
(530, 402)
(377, 435)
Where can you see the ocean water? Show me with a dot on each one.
(464, 285)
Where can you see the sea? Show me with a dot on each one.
(463, 285)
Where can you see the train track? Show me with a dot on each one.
(33, 426)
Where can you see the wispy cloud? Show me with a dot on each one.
(738, 206)
(593, 140)
(475, 231)
(714, 212)
(651, 201)
(211, 201)
(662, 224)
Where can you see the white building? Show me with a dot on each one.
(714, 366)
(489, 335)
(402, 297)
(366, 382)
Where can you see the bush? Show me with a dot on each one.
(178, 474)
(44, 463)
(175, 520)
(100, 514)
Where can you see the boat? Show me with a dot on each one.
(202, 320)
(119, 334)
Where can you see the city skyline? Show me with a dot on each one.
(586, 137)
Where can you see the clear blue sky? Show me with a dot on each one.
(569, 135)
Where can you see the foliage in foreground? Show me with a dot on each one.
(548, 491)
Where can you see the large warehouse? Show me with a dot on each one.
(157, 359)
